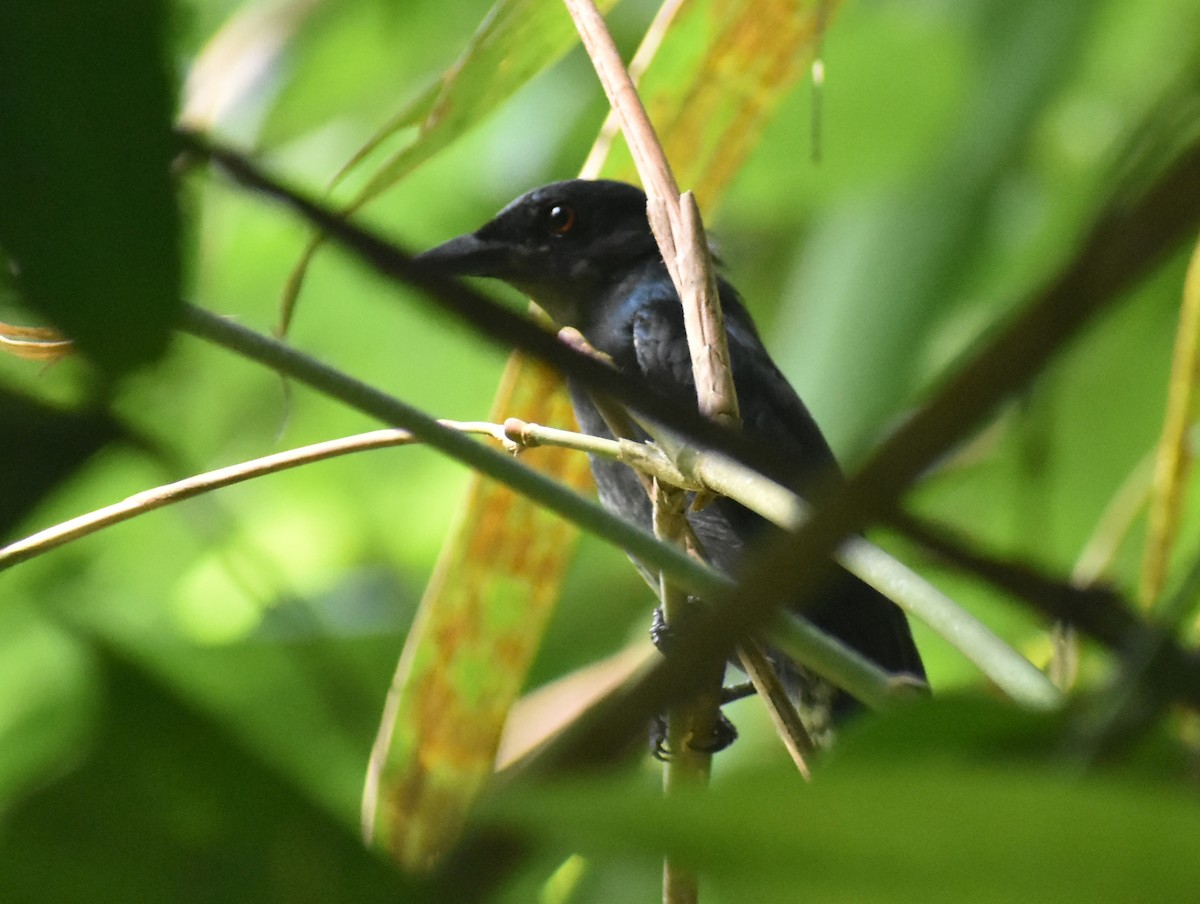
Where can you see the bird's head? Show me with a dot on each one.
(562, 244)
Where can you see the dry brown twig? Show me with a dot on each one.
(675, 219)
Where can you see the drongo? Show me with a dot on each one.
(583, 250)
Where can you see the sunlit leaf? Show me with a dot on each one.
(238, 59)
(517, 40)
(710, 110)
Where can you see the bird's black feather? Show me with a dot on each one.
(584, 251)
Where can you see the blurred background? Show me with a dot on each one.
(960, 151)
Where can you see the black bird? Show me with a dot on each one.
(583, 250)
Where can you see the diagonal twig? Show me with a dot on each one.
(674, 217)
(169, 494)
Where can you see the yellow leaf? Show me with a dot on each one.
(35, 343)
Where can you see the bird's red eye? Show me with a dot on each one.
(560, 219)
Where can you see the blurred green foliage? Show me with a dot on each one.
(85, 173)
(191, 696)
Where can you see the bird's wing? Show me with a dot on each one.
(771, 410)
(772, 413)
(659, 341)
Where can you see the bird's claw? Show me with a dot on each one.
(658, 738)
(662, 635)
(724, 733)
(665, 635)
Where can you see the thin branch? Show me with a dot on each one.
(530, 436)
(691, 723)
(1115, 523)
(1174, 457)
(171, 493)
(489, 318)
(642, 57)
(648, 154)
(675, 219)
(1098, 611)
(788, 725)
(692, 575)
(842, 665)
(1008, 669)
(680, 234)
(1095, 559)
(817, 73)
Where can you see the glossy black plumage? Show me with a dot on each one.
(583, 250)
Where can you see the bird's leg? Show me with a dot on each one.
(737, 692)
(665, 638)
(659, 749)
(724, 733)
(665, 635)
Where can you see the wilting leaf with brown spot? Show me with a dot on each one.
(478, 629)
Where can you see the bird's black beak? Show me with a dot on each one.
(468, 255)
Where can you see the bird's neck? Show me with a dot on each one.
(605, 318)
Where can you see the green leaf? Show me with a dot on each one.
(952, 805)
(163, 807)
(917, 238)
(87, 208)
(42, 446)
